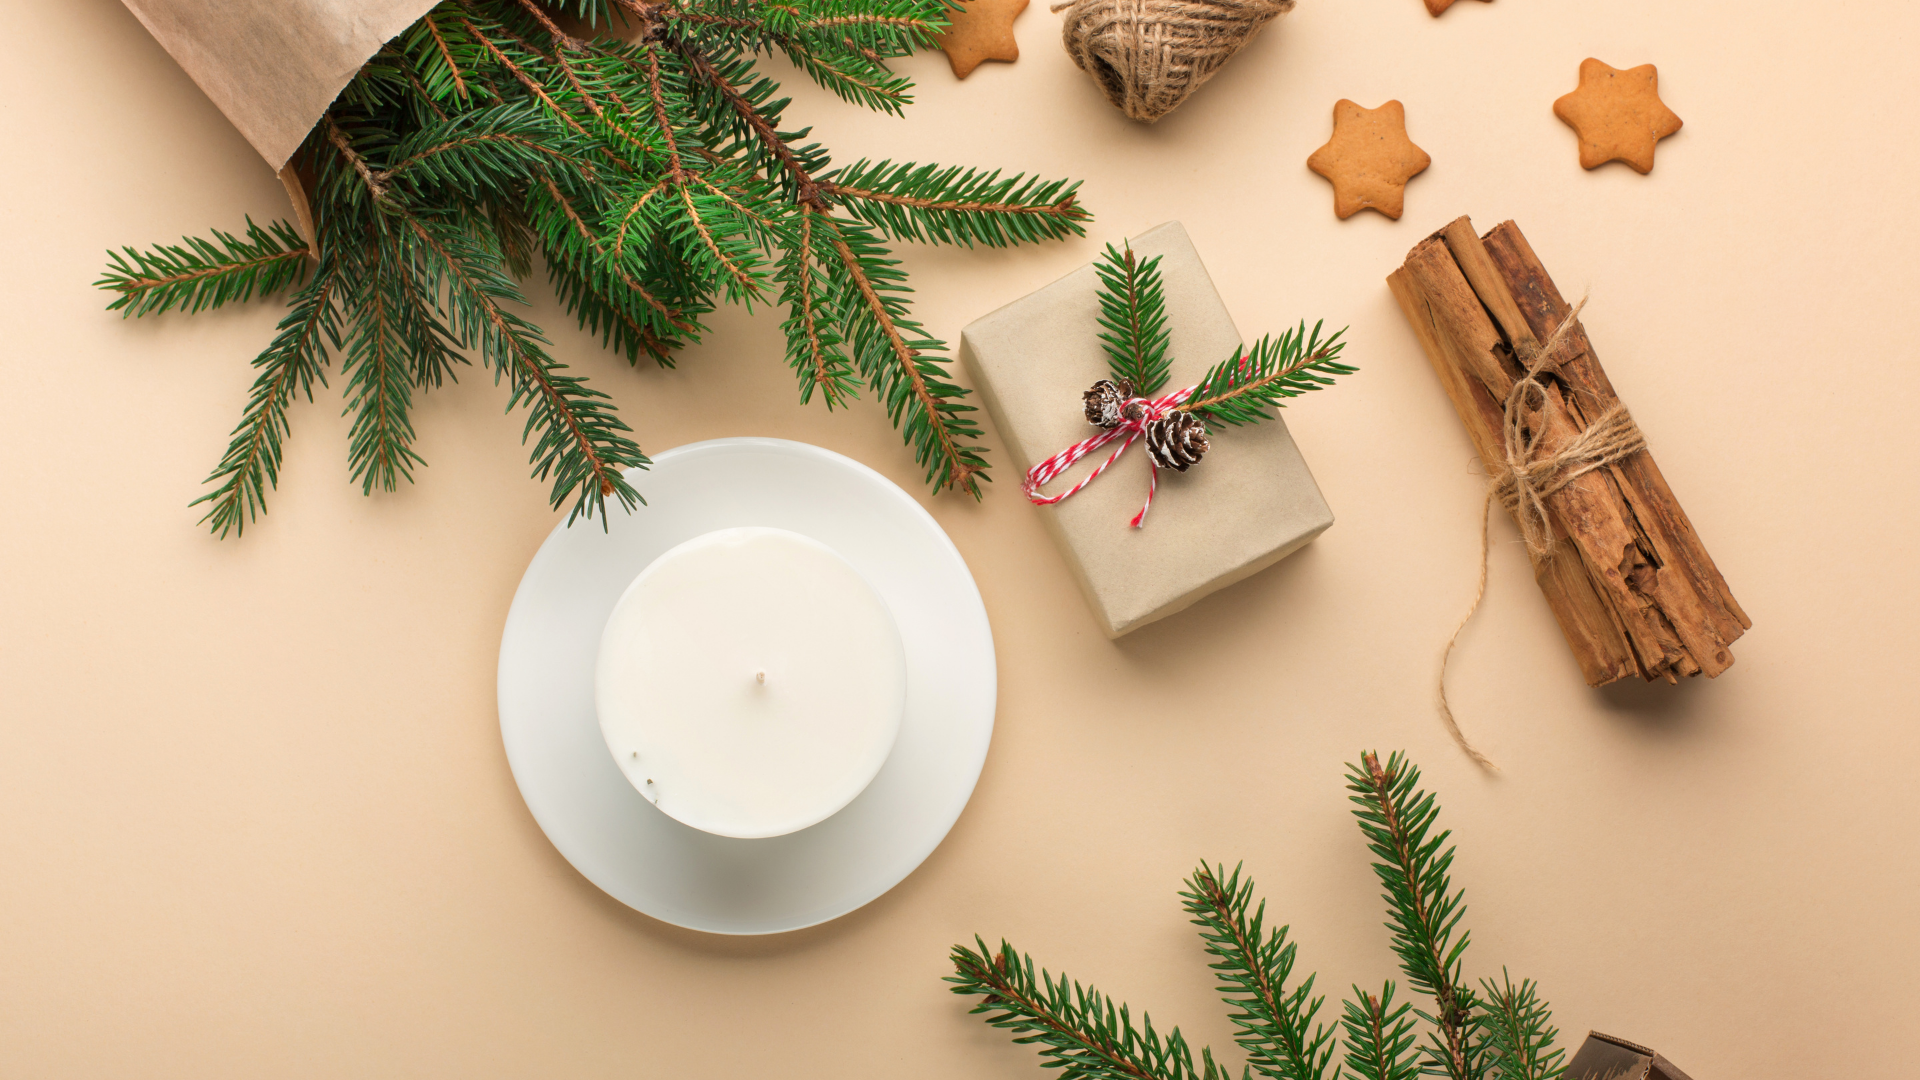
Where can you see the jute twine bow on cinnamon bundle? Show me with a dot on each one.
(1526, 477)
(1147, 56)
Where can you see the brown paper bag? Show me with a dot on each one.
(273, 66)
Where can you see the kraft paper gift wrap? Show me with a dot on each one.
(1249, 503)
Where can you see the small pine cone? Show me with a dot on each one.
(1104, 400)
(1176, 441)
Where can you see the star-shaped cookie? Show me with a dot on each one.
(982, 30)
(1435, 7)
(1618, 115)
(1369, 159)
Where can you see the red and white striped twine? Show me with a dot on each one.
(1129, 429)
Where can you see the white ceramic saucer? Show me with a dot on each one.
(677, 874)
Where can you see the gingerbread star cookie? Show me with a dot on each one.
(1369, 159)
(1435, 7)
(982, 30)
(1617, 114)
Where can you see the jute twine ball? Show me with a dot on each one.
(1148, 55)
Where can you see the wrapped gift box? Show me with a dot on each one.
(1248, 504)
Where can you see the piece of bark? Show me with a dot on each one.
(1477, 304)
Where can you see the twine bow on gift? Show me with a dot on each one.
(1135, 414)
(1526, 477)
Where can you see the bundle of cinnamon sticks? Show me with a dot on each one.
(1625, 574)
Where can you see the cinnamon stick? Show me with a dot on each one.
(1627, 578)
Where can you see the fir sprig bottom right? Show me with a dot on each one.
(1496, 1031)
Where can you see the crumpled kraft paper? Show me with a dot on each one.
(1248, 504)
(273, 66)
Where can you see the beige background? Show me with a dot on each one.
(254, 815)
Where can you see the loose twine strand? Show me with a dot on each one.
(1147, 56)
(1525, 480)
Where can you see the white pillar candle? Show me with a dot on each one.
(750, 682)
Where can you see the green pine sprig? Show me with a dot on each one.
(1423, 910)
(1519, 1031)
(289, 366)
(1380, 1038)
(1078, 1029)
(1507, 1034)
(951, 205)
(1244, 387)
(198, 274)
(1133, 320)
(1277, 1028)
(655, 175)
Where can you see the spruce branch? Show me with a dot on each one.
(891, 352)
(1133, 318)
(1423, 911)
(379, 377)
(1242, 388)
(1078, 1029)
(581, 443)
(931, 204)
(654, 178)
(814, 345)
(1519, 1031)
(1508, 1035)
(1253, 968)
(197, 274)
(290, 365)
(1380, 1039)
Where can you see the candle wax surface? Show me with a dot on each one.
(750, 682)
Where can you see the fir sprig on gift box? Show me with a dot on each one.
(1504, 1033)
(1242, 389)
(655, 175)
(1238, 390)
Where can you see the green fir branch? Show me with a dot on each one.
(1423, 910)
(1077, 1029)
(1276, 1024)
(654, 177)
(1243, 388)
(380, 376)
(1508, 1035)
(197, 274)
(854, 77)
(1133, 316)
(894, 355)
(581, 443)
(815, 347)
(1519, 1031)
(290, 365)
(1380, 1038)
(951, 205)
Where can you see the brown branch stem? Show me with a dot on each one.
(142, 284)
(340, 142)
(1066, 205)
